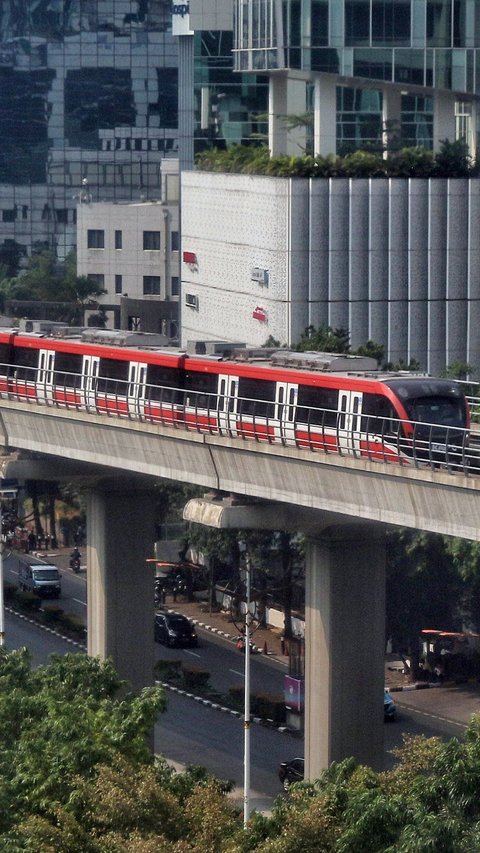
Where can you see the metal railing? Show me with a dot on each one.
(379, 439)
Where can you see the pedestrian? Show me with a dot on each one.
(32, 541)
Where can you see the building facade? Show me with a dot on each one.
(396, 261)
(132, 251)
(365, 68)
(90, 91)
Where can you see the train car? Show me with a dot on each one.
(319, 401)
(330, 402)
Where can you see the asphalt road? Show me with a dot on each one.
(191, 733)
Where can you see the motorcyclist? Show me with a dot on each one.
(75, 558)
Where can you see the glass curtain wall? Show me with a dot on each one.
(88, 93)
(230, 109)
(430, 43)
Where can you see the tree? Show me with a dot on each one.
(424, 589)
(324, 339)
(11, 254)
(58, 723)
(372, 350)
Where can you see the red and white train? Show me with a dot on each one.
(322, 401)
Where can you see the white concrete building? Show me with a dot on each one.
(132, 250)
(391, 260)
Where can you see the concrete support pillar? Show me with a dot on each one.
(391, 117)
(344, 647)
(325, 114)
(443, 118)
(120, 596)
(287, 97)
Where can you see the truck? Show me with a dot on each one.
(41, 579)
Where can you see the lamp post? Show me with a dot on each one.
(246, 718)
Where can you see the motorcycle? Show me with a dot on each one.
(75, 561)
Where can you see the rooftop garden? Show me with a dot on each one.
(451, 161)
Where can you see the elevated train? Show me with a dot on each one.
(319, 401)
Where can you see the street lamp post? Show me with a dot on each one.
(246, 722)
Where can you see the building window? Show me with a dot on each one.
(175, 285)
(95, 238)
(97, 278)
(118, 282)
(118, 239)
(62, 215)
(151, 240)
(151, 285)
(175, 241)
(9, 215)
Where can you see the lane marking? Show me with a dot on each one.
(80, 602)
(235, 672)
(436, 717)
(195, 654)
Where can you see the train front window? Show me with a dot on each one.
(446, 411)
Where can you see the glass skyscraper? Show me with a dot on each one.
(89, 106)
(418, 46)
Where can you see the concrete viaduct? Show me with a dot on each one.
(343, 505)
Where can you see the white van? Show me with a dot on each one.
(43, 580)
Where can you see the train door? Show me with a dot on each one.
(227, 403)
(89, 383)
(45, 375)
(349, 421)
(286, 396)
(137, 378)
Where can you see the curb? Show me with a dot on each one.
(46, 628)
(420, 685)
(260, 721)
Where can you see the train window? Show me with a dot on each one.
(162, 383)
(27, 361)
(447, 411)
(201, 390)
(317, 405)
(5, 350)
(68, 368)
(112, 372)
(256, 397)
(378, 415)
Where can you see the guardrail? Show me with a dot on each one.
(384, 440)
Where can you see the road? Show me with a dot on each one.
(191, 733)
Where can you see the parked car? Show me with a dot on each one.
(291, 771)
(173, 629)
(389, 707)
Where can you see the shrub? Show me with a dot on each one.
(451, 161)
(236, 697)
(268, 707)
(9, 590)
(52, 613)
(27, 601)
(168, 670)
(194, 676)
(73, 624)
